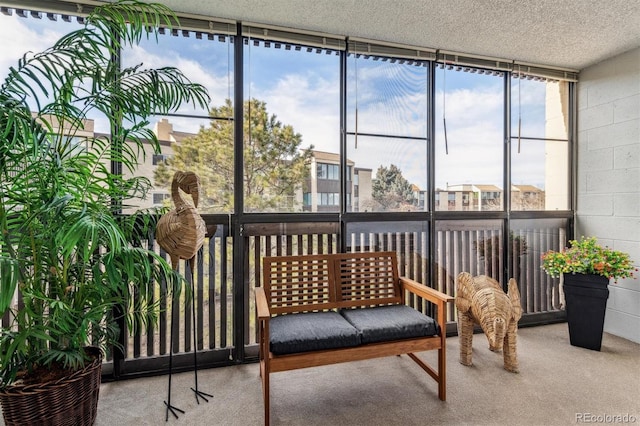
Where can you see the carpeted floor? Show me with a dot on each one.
(558, 384)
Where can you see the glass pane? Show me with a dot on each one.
(539, 146)
(539, 109)
(390, 174)
(189, 144)
(386, 96)
(540, 175)
(292, 128)
(22, 35)
(23, 39)
(204, 59)
(35, 36)
(203, 146)
(469, 148)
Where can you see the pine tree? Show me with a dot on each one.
(391, 190)
(274, 163)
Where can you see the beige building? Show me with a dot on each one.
(556, 179)
(527, 197)
(469, 197)
(322, 190)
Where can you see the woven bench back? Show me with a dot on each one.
(329, 281)
(367, 279)
(298, 283)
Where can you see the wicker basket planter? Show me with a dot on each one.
(71, 401)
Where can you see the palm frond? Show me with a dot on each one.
(63, 244)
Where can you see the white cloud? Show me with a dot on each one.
(309, 101)
(217, 85)
(474, 130)
(28, 35)
(310, 104)
(20, 36)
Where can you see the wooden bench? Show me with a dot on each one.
(325, 309)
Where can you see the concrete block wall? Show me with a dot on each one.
(609, 175)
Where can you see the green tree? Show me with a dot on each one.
(274, 163)
(391, 190)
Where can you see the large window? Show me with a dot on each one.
(292, 130)
(469, 110)
(387, 131)
(198, 140)
(539, 144)
(292, 125)
(377, 146)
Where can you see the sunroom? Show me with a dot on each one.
(464, 137)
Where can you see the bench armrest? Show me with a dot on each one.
(423, 291)
(434, 296)
(261, 304)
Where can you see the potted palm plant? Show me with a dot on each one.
(69, 261)
(586, 268)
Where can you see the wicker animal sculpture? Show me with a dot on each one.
(181, 231)
(481, 300)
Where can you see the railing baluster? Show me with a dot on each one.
(225, 322)
(200, 300)
(477, 250)
(188, 306)
(164, 337)
(212, 292)
(529, 275)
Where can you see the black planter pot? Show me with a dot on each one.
(586, 298)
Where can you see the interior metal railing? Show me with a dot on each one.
(475, 247)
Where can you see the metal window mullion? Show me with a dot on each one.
(119, 355)
(238, 177)
(431, 169)
(342, 238)
(573, 156)
(506, 249)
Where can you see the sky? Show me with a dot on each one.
(302, 89)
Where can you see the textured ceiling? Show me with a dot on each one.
(562, 33)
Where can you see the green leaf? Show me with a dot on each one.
(62, 243)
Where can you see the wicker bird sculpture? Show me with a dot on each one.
(181, 232)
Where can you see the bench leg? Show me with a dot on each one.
(265, 392)
(442, 374)
(439, 376)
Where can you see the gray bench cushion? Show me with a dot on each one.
(384, 323)
(311, 331)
